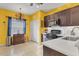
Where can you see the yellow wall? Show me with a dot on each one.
(3, 29)
(28, 28)
(36, 16)
(4, 26)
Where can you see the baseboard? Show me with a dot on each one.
(34, 41)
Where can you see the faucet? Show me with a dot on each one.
(72, 31)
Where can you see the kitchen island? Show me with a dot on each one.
(60, 47)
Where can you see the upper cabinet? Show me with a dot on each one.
(74, 15)
(64, 18)
(50, 20)
(46, 19)
(69, 17)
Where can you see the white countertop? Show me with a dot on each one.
(64, 46)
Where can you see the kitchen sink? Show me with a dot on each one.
(71, 38)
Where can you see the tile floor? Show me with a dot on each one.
(25, 49)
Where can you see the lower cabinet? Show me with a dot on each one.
(50, 52)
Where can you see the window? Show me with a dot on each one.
(17, 26)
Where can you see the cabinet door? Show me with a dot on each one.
(64, 17)
(68, 20)
(52, 17)
(56, 16)
(75, 16)
(46, 18)
(52, 20)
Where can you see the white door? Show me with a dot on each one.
(35, 30)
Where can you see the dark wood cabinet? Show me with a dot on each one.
(51, 52)
(18, 39)
(74, 16)
(64, 17)
(69, 17)
(46, 18)
(49, 19)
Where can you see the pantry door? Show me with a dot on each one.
(35, 30)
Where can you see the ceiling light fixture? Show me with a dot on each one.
(19, 15)
(37, 4)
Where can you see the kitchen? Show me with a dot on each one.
(61, 37)
(54, 26)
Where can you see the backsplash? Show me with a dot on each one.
(65, 30)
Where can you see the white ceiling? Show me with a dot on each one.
(27, 9)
